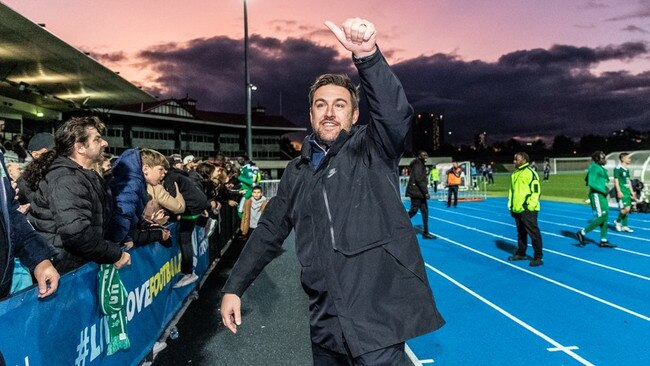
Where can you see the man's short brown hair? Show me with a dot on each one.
(338, 80)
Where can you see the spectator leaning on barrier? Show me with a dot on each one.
(70, 206)
(18, 238)
(189, 166)
(361, 265)
(134, 169)
(196, 203)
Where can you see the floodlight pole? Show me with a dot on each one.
(249, 117)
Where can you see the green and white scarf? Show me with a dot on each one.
(112, 302)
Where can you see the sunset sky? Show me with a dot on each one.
(510, 68)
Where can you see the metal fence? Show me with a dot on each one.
(475, 191)
(270, 187)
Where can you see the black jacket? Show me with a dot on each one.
(195, 200)
(361, 264)
(71, 209)
(17, 237)
(418, 182)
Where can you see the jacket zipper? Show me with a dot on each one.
(329, 217)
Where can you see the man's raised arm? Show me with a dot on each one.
(390, 112)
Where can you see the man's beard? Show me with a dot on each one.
(99, 158)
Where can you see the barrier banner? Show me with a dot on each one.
(67, 328)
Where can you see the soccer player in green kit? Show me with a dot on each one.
(597, 179)
(623, 192)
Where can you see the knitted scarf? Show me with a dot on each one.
(112, 302)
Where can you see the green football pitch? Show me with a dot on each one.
(559, 187)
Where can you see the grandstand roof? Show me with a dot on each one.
(38, 70)
(181, 108)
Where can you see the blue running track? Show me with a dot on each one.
(584, 306)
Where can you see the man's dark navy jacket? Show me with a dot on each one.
(361, 265)
(17, 236)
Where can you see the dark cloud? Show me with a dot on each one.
(108, 57)
(635, 29)
(642, 12)
(525, 93)
(593, 4)
(211, 70)
(562, 55)
(531, 92)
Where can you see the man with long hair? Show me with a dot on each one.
(70, 206)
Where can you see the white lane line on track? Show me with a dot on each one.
(555, 349)
(543, 232)
(544, 249)
(413, 357)
(557, 283)
(572, 216)
(525, 325)
(634, 217)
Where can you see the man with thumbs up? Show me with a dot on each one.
(361, 265)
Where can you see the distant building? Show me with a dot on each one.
(428, 133)
(177, 126)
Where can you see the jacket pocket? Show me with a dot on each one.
(407, 253)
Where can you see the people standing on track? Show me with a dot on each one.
(547, 169)
(597, 179)
(490, 174)
(361, 265)
(418, 191)
(434, 178)
(453, 181)
(623, 192)
(523, 203)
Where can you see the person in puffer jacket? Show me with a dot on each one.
(71, 208)
(134, 169)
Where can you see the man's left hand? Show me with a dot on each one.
(357, 35)
(47, 278)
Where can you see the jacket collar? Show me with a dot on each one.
(523, 166)
(310, 143)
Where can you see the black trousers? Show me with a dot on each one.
(390, 356)
(420, 204)
(185, 230)
(452, 190)
(527, 225)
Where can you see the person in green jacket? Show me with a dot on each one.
(623, 192)
(597, 179)
(523, 203)
(434, 178)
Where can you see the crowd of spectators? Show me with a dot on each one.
(72, 192)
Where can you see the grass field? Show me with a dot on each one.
(560, 187)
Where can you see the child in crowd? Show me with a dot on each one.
(253, 208)
(134, 169)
